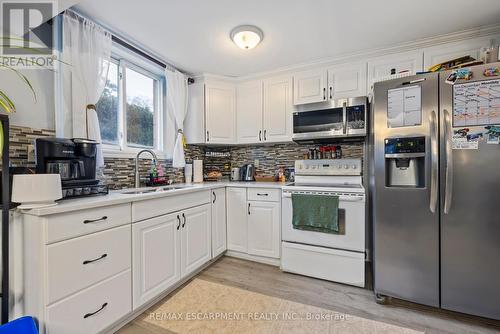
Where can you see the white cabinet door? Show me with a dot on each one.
(196, 238)
(236, 219)
(194, 123)
(437, 54)
(264, 229)
(309, 86)
(249, 112)
(381, 67)
(348, 80)
(278, 109)
(219, 244)
(155, 257)
(220, 111)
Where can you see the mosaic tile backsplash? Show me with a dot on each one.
(118, 173)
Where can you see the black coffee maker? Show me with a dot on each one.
(74, 159)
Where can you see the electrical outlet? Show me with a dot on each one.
(256, 163)
(31, 153)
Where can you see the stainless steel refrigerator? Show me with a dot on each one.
(436, 189)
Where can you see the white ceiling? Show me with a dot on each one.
(194, 34)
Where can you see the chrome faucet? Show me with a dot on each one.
(137, 176)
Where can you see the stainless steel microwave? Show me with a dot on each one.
(335, 119)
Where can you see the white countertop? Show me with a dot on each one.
(118, 196)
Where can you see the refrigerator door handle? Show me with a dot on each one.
(434, 161)
(448, 188)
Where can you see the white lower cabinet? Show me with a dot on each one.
(195, 238)
(155, 254)
(237, 219)
(253, 226)
(91, 310)
(264, 228)
(168, 248)
(219, 235)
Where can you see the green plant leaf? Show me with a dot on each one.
(23, 78)
(7, 100)
(5, 106)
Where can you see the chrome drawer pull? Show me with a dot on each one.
(259, 194)
(94, 260)
(94, 313)
(87, 221)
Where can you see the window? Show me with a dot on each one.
(130, 109)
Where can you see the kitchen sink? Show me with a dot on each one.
(152, 190)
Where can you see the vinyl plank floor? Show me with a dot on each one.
(355, 301)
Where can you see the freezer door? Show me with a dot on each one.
(470, 206)
(406, 219)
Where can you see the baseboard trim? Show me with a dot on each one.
(261, 259)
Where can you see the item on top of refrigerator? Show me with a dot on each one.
(491, 72)
(449, 64)
(464, 74)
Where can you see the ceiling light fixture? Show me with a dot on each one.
(247, 37)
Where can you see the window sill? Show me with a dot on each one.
(129, 153)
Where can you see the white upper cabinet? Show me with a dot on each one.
(347, 80)
(436, 54)
(278, 109)
(382, 67)
(220, 113)
(211, 117)
(249, 112)
(310, 86)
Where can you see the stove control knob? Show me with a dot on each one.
(300, 166)
(339, 166)
(346, 166)
(307, 166)
(354, 166)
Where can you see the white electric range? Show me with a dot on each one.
(335, 257)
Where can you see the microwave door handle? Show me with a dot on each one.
(434, 161)
(448, 188)
(344, 115)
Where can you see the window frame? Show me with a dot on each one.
(128, 59)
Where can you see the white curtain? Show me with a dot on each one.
(177, 98)
(89, 46)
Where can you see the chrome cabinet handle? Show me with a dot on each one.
(88, 221)
(215, 196)
(248, 208)
(434, 161)
(179, 222)
(184, 222)
(260, 135)
(94, 260)
(331, 92)
(448, 188)
(94, 313)
(265, 135)
(324, 93)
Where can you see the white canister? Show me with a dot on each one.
(188, 173)
(197, 171)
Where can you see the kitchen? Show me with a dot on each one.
(229, 173)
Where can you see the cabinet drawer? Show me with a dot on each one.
(92, 310)
(73, 224)
(164, 205)
(263, 194)
(79, 263)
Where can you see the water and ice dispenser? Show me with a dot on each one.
(405, 162)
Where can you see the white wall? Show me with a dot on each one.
(30, 113)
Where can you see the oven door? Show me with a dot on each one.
(319, 124)
(351, 225)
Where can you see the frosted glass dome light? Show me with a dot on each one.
(247, 37)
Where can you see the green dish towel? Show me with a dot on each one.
(315, 213)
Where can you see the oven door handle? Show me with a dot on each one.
(341, 198)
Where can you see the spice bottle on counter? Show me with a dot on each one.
(338, 152)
